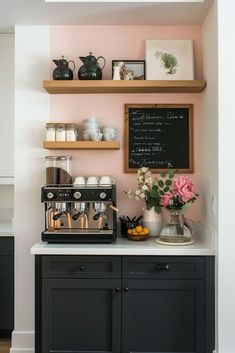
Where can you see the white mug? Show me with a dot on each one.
(92, 180)
(79, 180)
(106, 180)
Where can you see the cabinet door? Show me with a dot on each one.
(81, 316)
(163, 316)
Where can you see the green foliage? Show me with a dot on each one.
(170, 63)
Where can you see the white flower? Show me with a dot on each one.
(137, 192)
(142, 195)
(144, 169)
(145, 187)
(137, 198)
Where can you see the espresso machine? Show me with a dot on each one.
(84, 214)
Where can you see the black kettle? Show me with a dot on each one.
(62, 71)
(90, 70)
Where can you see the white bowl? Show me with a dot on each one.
(90, 125)
(96, 136)
(109, 137)
(108, 130)
(86, 137)
(91, 119)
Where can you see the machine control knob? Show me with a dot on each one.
(77, 195)
(103, 195)
(50, 195)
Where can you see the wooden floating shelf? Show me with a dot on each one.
(132, 86)
(82, 145)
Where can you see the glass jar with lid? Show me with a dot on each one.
(50, 132)
(52, 171)
(71, 132)
(60, 132)
(65, 174)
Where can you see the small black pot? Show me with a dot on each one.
(125, 225)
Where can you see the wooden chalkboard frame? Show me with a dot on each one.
(127, 168)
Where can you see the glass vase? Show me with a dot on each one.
(175, 231)
(152, 220)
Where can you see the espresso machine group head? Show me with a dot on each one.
(85, 214)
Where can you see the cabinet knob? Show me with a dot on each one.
(82, 268)
(117, 289)
(126, 289)
(162, 267)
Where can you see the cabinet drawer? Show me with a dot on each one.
(6, 316)
(81, 266)
(6, 291)
(6, 246)
(6, 267)
(184, 267)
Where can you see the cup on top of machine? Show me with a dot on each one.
(106, 180)
(79, 180)
(92, 180)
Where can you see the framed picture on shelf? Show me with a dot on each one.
(169, 59)
(128, 69)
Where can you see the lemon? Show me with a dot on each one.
(129, 231)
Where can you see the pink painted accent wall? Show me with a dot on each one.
(118, 42)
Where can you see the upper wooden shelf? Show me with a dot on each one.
(132, 86)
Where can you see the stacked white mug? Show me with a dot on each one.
(91, 130)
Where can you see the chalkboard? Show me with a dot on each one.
(159, 136)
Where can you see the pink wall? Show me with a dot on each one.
(117, 42)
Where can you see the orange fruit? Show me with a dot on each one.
(146, 230)
(129, 231)
(139, 229)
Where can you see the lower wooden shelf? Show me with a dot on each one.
(81, 145)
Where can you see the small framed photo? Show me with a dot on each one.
(128, 69)
(169, 59)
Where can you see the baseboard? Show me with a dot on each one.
(22, 342)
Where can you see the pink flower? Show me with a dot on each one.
(166, 199)
(183, 187)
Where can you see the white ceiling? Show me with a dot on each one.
(38, 12)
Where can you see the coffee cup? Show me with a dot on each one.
(97, 136)
(106, 180)
(79, 180)
(92, 180)
(109, 137)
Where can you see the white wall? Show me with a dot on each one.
(209, 135)
(31, 114)
(7, 105)
(226, 241)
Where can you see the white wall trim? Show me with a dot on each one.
(22, 342)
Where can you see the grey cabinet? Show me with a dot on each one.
(124, 304)
(6, 285)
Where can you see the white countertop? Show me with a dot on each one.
(123, 246)
(6, 229)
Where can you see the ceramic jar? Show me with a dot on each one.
(152, 220)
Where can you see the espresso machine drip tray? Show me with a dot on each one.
(82, 236)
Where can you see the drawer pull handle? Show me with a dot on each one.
(117, 289)
(162, 267)
(82, 268)
(126, 289)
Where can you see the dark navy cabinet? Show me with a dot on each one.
(124, 304)
(6, 285)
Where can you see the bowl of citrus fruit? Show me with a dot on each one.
(138, 233)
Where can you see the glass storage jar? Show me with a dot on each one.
(65, 175)
(71, 132)
(60, 132)
(50, 132)
(52, 171)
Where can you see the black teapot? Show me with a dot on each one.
(62, 71)
(91, 69)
